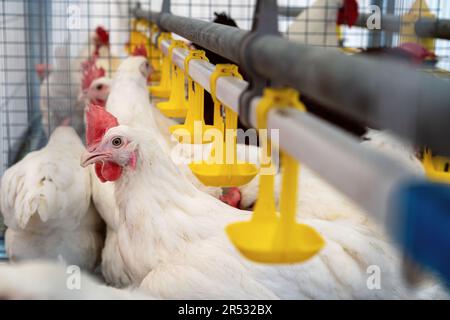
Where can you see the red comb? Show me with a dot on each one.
(348, 14)
(103, 35)
(90, 73)
(140, 50)
(98, 121)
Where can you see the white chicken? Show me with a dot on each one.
(129, 102)
(393, 146)
(46, 204)
(315, 190)
(99, 47)
(173, 243)
(316, 25)
(95, 89)
(95, 86)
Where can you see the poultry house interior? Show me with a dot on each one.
(225, 150)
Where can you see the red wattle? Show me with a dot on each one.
(232, 197)
(98, 171)
(111, 171)
(108, 171)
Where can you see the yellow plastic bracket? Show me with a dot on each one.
(137, 37)
(140, 25)
(419, 9)
(271, 237)
(154, 28)
(142, 37)
(193, 55)
(437, 168)
(155, 55)
(177, 105)
(222, 70)
(194, 125)
(223, 169)
(143, 23)
(340, 37)
(162, 90)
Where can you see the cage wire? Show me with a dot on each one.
(45, 33)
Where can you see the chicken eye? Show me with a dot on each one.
(116, 142)
(99, 87)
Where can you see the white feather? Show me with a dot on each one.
(46, 203)
(129, 103)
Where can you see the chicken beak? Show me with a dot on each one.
(88, 158)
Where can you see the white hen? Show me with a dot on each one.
(95, 86)
(99, 46)
(46, 203)
(173, 241)
(395, 147)
(129, 102)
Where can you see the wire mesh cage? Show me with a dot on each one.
(44, 43)
(33, 31)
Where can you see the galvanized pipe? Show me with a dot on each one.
(218, 38)
(381, 93)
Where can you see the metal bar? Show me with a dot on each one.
(382, 93)
(221, 39)
(389, 35)
(364, 175)
(426, 28)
